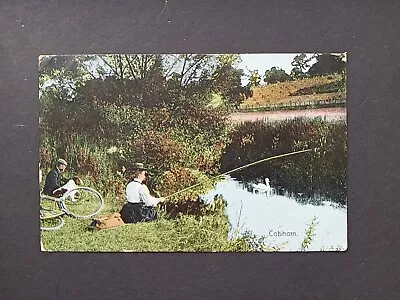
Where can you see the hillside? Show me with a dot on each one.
(328, 88)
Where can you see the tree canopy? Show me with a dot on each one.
(144, 75)
(301, 64)
(275, 75)
(141, 102)
(327, 64)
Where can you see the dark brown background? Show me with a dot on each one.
(366, 29)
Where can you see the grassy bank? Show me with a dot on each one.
(186, 233)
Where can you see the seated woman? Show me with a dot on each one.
(140, 205)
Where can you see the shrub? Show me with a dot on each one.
(156, 149)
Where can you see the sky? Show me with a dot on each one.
(263, 62)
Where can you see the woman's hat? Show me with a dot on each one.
(138, 166)
(61, 162)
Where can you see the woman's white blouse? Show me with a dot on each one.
(137, 192)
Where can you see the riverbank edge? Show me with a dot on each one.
(208, 232)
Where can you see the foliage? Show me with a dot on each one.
(275, 75)
(258, 243)
(183, 205)
(309, 234)
(254, 78)
(226, 81)
(61, 76)
(327, 64)
(155, 149)
(300, 65)
(138, 104)
(178, 179)
(125, 96)
(131, 67)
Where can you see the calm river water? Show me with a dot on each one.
(282, 218)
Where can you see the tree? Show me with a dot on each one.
(275, 75)
(300, 65)
(61, 76)
(327, 64)
(227, 80)
(123, 66)
(254, 78)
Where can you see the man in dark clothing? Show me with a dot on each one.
(53, 178)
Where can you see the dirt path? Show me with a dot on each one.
(329, 113)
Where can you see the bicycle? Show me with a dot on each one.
(81, 202)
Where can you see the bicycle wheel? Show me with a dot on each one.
(51, 223)
(49, 207)
(82, 202)
(50, 213)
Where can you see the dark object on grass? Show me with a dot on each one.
(137, 212)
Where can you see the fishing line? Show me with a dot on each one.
(240, 168)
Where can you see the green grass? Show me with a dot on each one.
(184, 234)
(207, 232)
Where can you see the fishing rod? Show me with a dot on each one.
(240, 168)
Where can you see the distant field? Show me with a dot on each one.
(318, 89)
(329, 114)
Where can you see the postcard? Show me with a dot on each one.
(193, 152)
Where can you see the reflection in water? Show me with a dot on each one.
(283, 216)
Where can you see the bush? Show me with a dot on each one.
(156, 149)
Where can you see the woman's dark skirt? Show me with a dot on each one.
(137, 212)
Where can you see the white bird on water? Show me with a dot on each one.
(261, 187)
